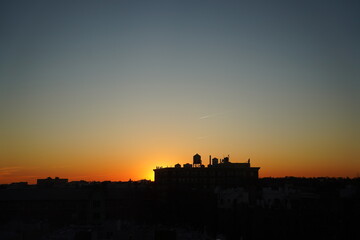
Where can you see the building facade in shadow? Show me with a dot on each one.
(218, 173)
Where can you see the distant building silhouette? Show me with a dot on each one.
(273, 208)
(223, 173)
(47, 182)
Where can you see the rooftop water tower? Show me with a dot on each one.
(197, 160)
(215, 161)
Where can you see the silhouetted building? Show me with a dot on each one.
(18, 185)
(47, 182)
(274, 208)
(223, 173)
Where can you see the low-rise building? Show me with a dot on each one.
(217, 173)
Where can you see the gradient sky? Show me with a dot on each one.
(108, 90)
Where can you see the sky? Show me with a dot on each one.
(108, 90)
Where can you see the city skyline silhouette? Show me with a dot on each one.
(224, 200)
(179, 120)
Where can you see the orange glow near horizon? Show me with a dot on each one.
(109, 156)
(100, 159)
(139, 168)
